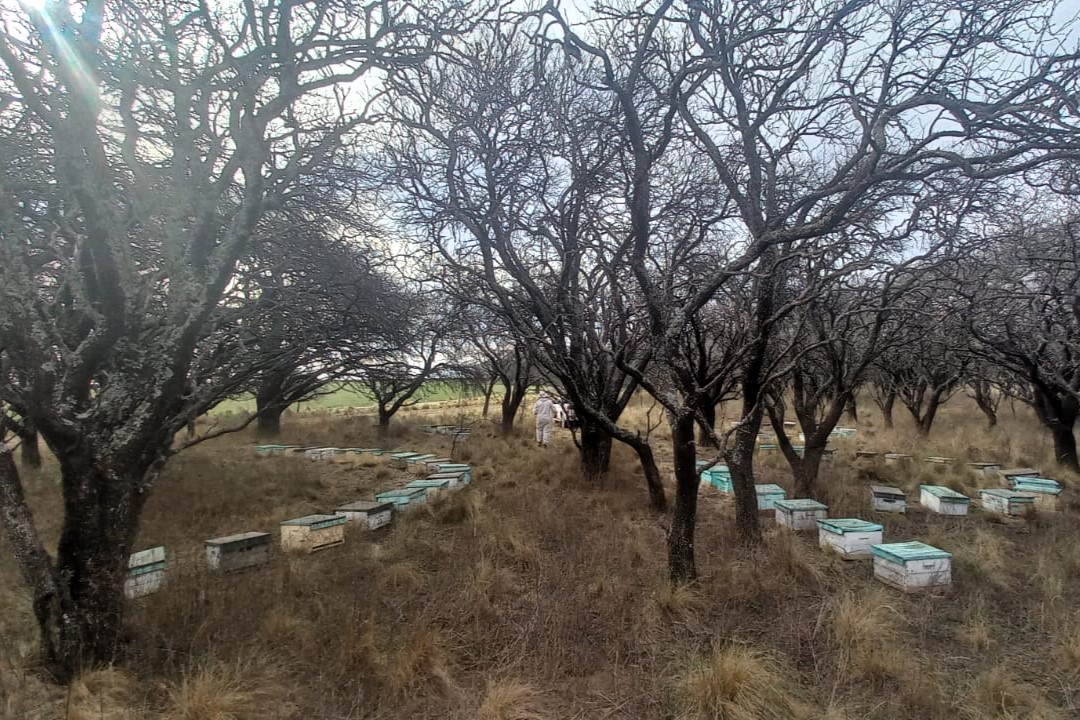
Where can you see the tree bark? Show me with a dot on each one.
(985, 401)
(1058, 415)
(513, 396)
(384, 421)
(78, 600)
(487, 397)
(740, 460)
(268, 424)
(29, 448)
(851, 408)
(269, 404)
(926, 422)
(595, 450)
(708, 412)
(887, 409)
(657, 497)
(680, 539)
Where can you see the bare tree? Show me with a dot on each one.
(144, 144)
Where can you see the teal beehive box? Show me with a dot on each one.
(1047, 492)
(457, 467)
(400, 460)
(850, 538)
(768, 494)
(767, 448)
(456, 477)
(419, 461)
(719, 477)
(912, 566)
(404, 497)
(842, 432)
(431, 485)
(943, 500)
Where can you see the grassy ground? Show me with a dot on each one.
(533, 595)
(349, 395)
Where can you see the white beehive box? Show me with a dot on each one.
(895, 458)
(1012, 473)
(1007, 502)
(420, 461)
(433, 485)
(146, 572)
(800, 513)
(456, 468)
(403, 498)
(432, 465)
(768, 494)
(984, 468)
(324, 453)
(456, 477)
(943, 500)
(912, 566)
(888, 499)
(849, 538)
(237, 552)
(865, 454)
(367, 514)
(311, 533)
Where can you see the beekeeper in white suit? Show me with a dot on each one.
(543, 411)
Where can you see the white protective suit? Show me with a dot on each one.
(543, 410)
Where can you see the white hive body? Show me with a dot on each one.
(238, 552)
(986, 469)
(146, 572)
(888, 499)
(312, 533)
(943, 500)
(896, 458)
(912, 566)
(768, 494)
(850, 538)
(1007, 502)
(800, 513)
(367, 514)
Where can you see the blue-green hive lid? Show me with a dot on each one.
(800, 504)
(908, 551)
(840, 526)
(1010, 495)
(316, 521)
(449, 467)
(1037, 484)
(945, 492)
(769, 489)
(767, 446)
(404, 455)
(435, 483)
(420, 458)
(402, 493)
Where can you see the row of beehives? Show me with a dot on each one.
(910, 566)
(304, 535)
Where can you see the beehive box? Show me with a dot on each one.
(768, 448)
(894, 458)
(799, 449)
(401, 460)
(457, 467)
(1047, 492)
(828, 453)
(943, 500)
(433, 486)
(367, 515)
(984, 468)
(237, 552)
(420, 461)
(403, 498)
(850, 538)
(1007, 502)
(912, 566)
(935, 460)
(719, 477)
(1011, 473)
(888, 499)
(843, 432)
(433, 464)
(268, 450)
(789, 424)
(311, 533)
(768, 494)
(800, 513)
(456, 477)
(865, 454)
(324, 453)
(146, 572)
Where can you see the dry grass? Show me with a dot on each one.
(510, 700)
(534, 594)
(736, 683)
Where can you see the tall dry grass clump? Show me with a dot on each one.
(864, 624)
(998, 694)
(737, 682)
(511, 700)
(226, 691)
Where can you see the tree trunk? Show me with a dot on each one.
(680, 539)
(851, 408)
(1065, 446)
(268, 424)
(984, 399)
(740, 460)
(595, 450)
(887, 409)
(513, 396)
(29, 448)
(808, 468)
(487, 397)
(79, 601)
(657, 497)
(384, 421)
(708, 412)
(926, 422)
